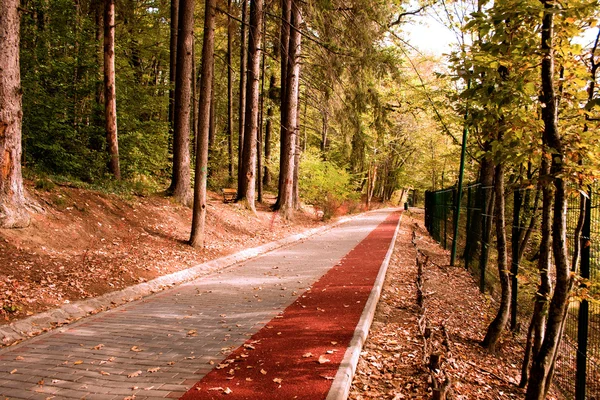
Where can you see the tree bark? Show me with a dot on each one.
(268, 127)
(290, 101)
(229, 91)
(110, 90)
(496, 328)
(173, 58)
(543, 362)
(180, 181)
(535, 332)
(13, 211)
(242, 108)
(204, 118)
(248, 173)
(284, 39)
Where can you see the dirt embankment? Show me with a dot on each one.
(87, 243)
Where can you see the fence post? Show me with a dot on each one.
(445, 209)
(514, 271)
(583, 317)
(469, 238)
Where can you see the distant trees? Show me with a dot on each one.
(13, 212)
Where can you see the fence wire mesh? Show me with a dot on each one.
(577, 371)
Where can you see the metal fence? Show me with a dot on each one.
(577, 372)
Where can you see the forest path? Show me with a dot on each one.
(278, 326)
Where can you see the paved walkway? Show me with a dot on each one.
(163, 345)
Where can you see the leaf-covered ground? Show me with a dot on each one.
(87, 243)
(394, 362)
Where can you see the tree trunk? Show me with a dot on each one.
(242, 109)
(204, 117)
(180, 182)
(173, 59)
(229, 92)
(13, 212)
(290, 129)
(248, 173)
(110, 90)
(535, 332)
(284, 146)
(497, 326)
(268, 125)
(543, 362)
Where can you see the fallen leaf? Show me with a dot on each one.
(323, 360)
(98, 347)
(262, 371)
(227, 391)
(78, 362)
(192, 332)
(277, 380)
(136, 349)
(19, 358)
(40, 382)
(13, 371)
(104, 373)
(307, 355)
(151, 370)
(134, 374)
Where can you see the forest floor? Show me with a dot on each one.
(87, 243)
(395, 358)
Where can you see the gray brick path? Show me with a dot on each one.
(158, 347)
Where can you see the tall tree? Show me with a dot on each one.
(248, 172)
(229, 90)
(13, 212)
(268, 128)
(289, 102)
(204, 122)
(180, 181)
(284, 40)
(242, 102)
(543, 361)
(110, 90)
(173, 58)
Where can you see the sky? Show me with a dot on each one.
(429, 35)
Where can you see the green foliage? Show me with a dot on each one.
(323, 183)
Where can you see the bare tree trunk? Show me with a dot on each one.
(248, 176)
(498, 324)
(286, 192)
(535, 332)
(173, 58)
(180, 182)
(284, 146)
(13, 212)
(242, 109)
(543, 362)
(268, 127)
(110, 90)
(229, 92)
(259, 144)
(204, 117)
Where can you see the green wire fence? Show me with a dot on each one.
(577, 372)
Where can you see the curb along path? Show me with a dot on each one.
(167, 343)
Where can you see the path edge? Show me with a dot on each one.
(35, 325)
(340, 388)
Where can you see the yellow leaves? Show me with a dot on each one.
(78, 362)
(134, 374)
(104, 373)
(136, 349)
(192, 332)
(14, 371)
(152, 370)
(98, 347)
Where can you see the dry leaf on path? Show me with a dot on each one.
(134, 374)
(136, 349)
(323, 360)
